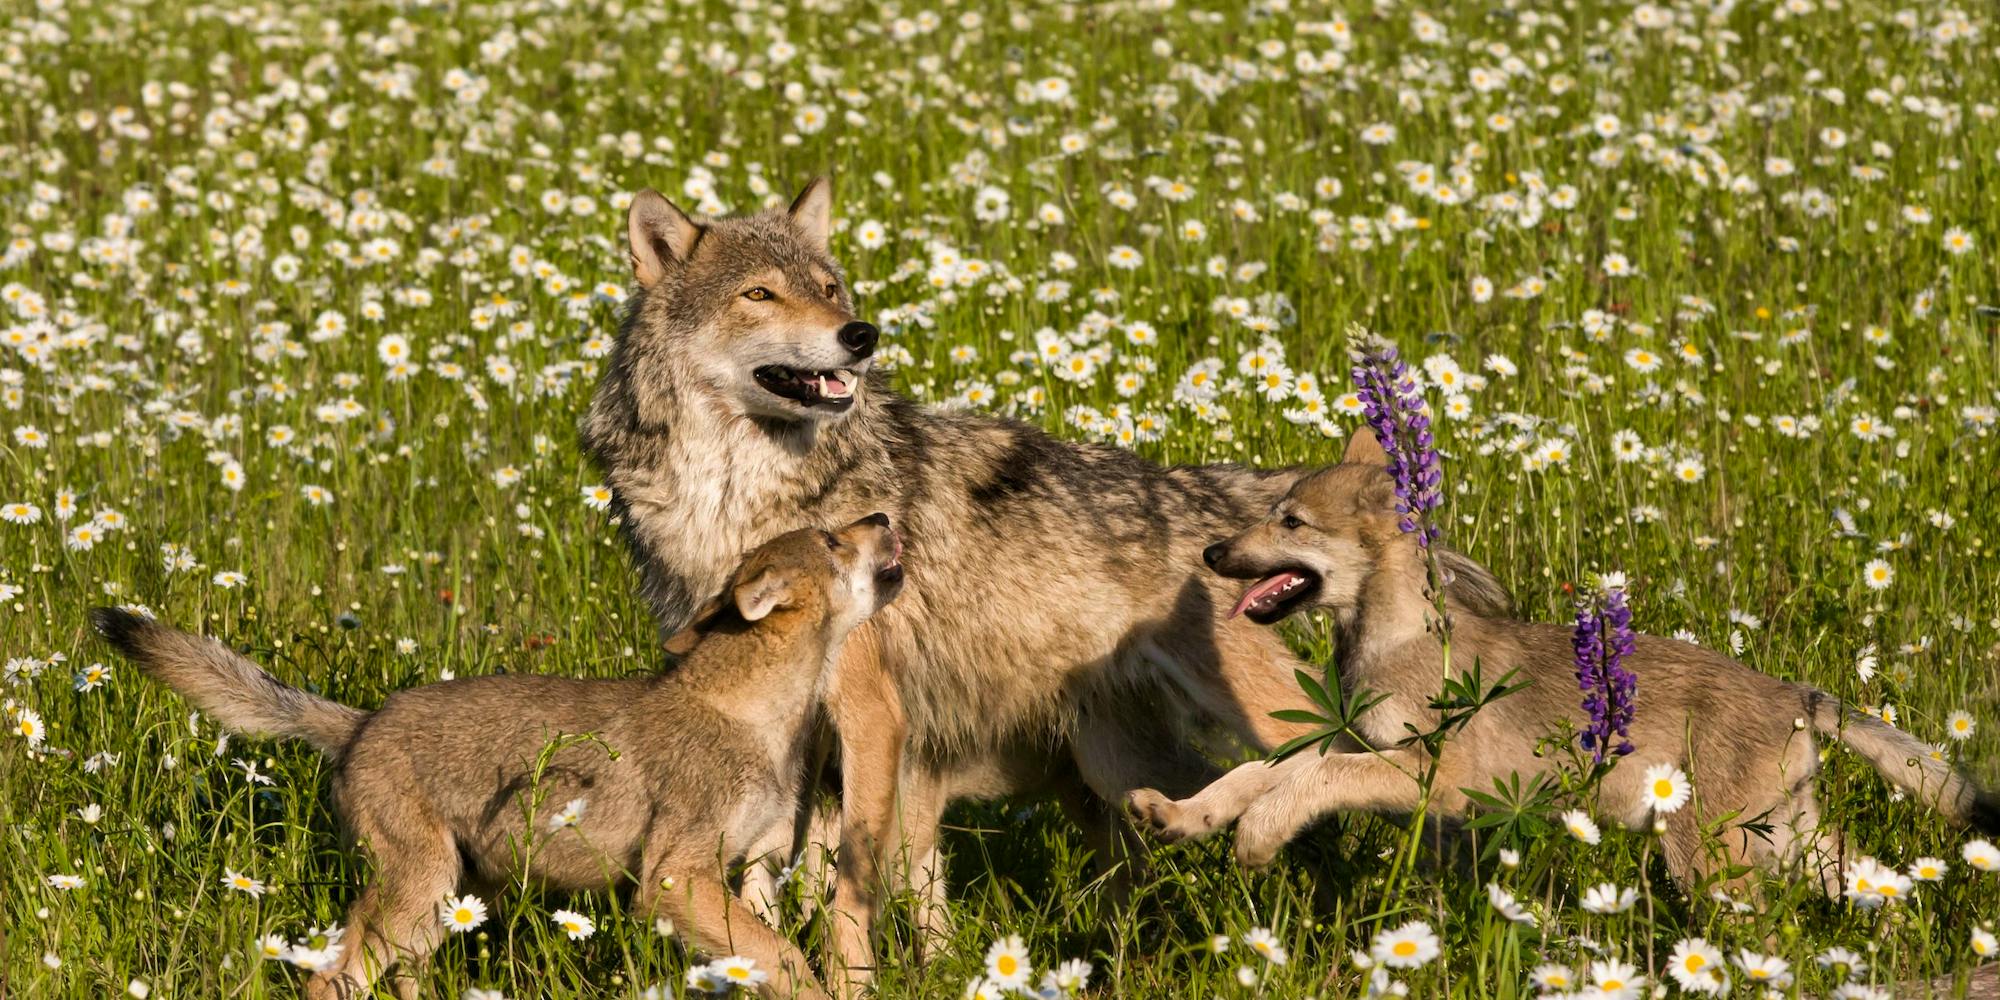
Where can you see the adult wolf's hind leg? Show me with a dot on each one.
(1117, 750)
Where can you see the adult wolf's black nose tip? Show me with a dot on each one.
(1212, 555)
(877, 519)
(860, 338)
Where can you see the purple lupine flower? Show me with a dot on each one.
(1393, 406)
(1603, 640)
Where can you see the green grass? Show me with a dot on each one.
(177, 176)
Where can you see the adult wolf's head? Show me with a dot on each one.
(751, 312)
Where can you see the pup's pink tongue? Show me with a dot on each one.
(1267, 588)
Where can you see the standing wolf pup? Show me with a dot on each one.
(435, 784)
(1334, 542)
(1057, 623)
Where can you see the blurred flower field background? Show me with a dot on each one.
(303, 302)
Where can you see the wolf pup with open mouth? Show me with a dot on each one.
(706, 759)
(1747, 741)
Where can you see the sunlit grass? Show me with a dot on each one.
(1704, 226)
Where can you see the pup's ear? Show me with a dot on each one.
(812, 211)
(684, 641)
(762, 594)
(661, 235)
(1363, 449)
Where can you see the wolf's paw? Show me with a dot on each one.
(1261, 833)
(1255, 849)
(1169, 820)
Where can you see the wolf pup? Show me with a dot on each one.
(435, 785)
(1747, 740)
(1059, 631)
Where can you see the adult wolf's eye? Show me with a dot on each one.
(1291, 523)
(759, 294)
(832, 290)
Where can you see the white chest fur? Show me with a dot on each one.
(720, 492)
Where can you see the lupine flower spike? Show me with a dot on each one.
(1393, 406)
(1603, 640)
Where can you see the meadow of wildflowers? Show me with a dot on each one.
(302, 304)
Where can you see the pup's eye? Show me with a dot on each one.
(832, 542)
(759, 294)
(1291, 523)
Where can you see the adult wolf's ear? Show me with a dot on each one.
(661, 235)
(812, 211)
(762, 594)
(1363, 449)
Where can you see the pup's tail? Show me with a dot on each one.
(225, 686)
(1906, 762)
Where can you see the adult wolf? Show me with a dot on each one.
(1057, 622)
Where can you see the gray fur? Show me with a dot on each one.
(1056, 606)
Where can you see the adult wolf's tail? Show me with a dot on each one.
(1906, 762)
(225, 686)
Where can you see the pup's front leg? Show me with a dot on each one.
(1384, 782)
(1213, 807)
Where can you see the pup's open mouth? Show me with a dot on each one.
(890, 573)
(833, 388)
(1275, 596)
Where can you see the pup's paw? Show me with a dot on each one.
(1154, 810)
(1256, 848)
(1169, 820)
(1264, 829)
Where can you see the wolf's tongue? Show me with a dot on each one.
(1267, 588)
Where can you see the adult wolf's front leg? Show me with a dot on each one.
(868, 716)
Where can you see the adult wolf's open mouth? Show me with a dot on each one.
(1275, 596)
(833, 388)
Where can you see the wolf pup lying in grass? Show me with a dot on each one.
(1745, 739)
(437, 783)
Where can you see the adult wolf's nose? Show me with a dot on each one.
(1213, 554)
(860, 338)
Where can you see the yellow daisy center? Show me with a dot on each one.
(1404, 949)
